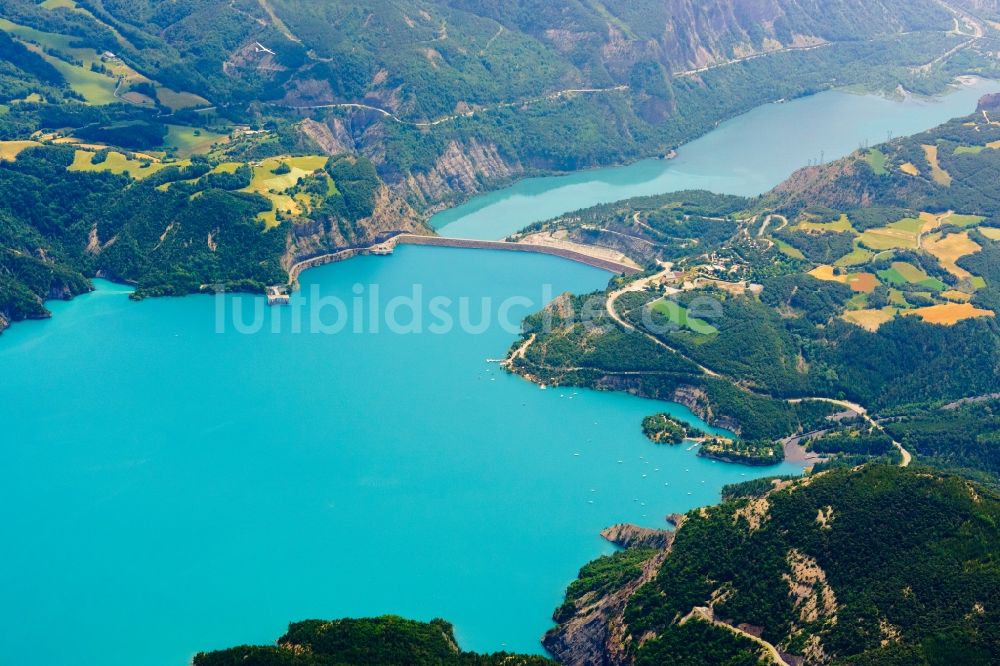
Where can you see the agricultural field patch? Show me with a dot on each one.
(861, 282)
(119, 163)
(950, 249)
(842, 225)
(888, 238)
(788, 250)
(176, 101)
(975, 150)
(857, 302)
(678, 314)
(940, 176)
(898, 298)
(186, 141)
(877, 160)
(955, 295)
(993, 233)
(9, 150)
(948, 314)
(274, 185)
(909, 169)
(902, 273)
(856, 257)
(871, 319)
(95, 87)
(962, 220)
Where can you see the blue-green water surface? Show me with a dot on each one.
(167, 488)
(747, 155)
(171, 484)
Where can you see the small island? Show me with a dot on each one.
(665, 429)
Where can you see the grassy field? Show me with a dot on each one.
(788, 250)
(856, 257)
(902, 273)
(870, 320)
(898, 235)
(96, 88)
(909, 169)
(10, 149)
(187, 141)
(678, 314)
(175, 101)
(975, 150)
(940, 176)
(273, 186)
(843, 225)
(962, 220)
(117, 163)
(877, 160)
(993, 233)
(949, 249)
(950, 313)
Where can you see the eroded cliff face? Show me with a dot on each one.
(462, 169)
(592, 631)
(312, 238)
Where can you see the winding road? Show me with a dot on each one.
(639, 285)
(905, 457)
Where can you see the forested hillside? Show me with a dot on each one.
(885, 297)
(449, 97)
(386, 641)
(880, 565)
(173, 227)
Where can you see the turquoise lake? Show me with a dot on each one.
(747, 155)
(171, 484)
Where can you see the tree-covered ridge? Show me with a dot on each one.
(386, 641)
(876, 565)
(888, 299)
(519, 88)
(168, 226)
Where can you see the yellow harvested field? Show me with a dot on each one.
(940, 176)
(825, 273)
(870, 320)
(931, 221)
(9, 149)
(861, 282)
(950, 313)
(955, 295)
(950, 249)
(909, 169)
(993, 233)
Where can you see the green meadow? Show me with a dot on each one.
(678, 314)
(187, 141)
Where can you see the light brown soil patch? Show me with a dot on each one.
(948, 314)
(951, 248)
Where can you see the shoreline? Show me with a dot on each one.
(460, 199)
(386, 247)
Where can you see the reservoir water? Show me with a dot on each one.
(747, 155)
(175, 479)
